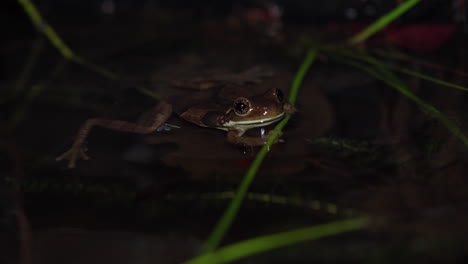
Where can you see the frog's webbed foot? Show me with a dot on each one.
(73, 154)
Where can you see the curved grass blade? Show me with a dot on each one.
(23, 78)
(31, 94)
(95, 68)
(396, 83)
(365, 57)
(42, 26)
(383, 21)
(149, 93)
(309, 59)
(226, 220)
(381, 72)
(429, 78)
(264, 243)
(418, 61)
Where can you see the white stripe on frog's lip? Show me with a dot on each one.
(247, 124)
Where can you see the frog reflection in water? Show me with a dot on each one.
(221, 103)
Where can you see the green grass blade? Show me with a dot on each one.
(93, 67)
(382, 72)
(364, 57)
(149, 93)
(33, 92)
(430, 79)
(309, 59)
(394, 82)
(56, 41)
(418, 61)
(42, 26)
(383, 21)
(261, 244)
(226, 220)
(23, 78)
(359, 65)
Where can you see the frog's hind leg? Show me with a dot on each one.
(157, 117)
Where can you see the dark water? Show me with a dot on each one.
(354, 143)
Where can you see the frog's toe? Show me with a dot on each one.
(83, 154)
(68, 155)
(73, 155)
(72, 158)
(71, 164)
(63, 156)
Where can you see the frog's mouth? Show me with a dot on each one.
(247, 124)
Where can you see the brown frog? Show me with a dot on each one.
(221, 103)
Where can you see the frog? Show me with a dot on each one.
(221, 102)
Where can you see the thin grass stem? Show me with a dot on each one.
(269, 242)
(383, 21)
(229, 215)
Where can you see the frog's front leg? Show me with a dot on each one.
(236, 137)
(156, 118)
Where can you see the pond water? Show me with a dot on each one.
(354, 146)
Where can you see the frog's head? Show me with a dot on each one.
(256, 111)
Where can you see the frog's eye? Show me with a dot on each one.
(241, 106)
(279, 95)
